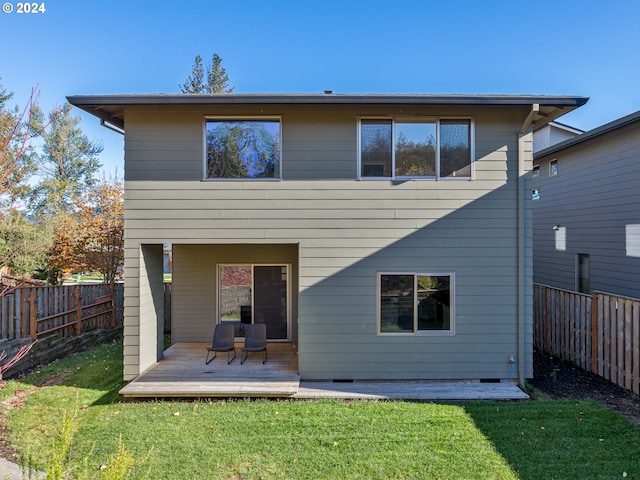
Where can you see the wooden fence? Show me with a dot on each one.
(64, 309)
(599, 333)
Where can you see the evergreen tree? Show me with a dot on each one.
(195, 80)
(18, 127)
(68, 164)
(216, 81)
(217, 78)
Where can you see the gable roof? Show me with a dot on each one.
(110, 108)
(591, 134)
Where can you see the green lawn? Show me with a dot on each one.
(318, 439)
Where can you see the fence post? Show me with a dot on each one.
(23, 318)
(78, 323)
(546, 320)
(594, 333)
(112, 290)
(33, 316)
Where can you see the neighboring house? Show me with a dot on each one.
(552, 133)
(587, 211)
(387, 235)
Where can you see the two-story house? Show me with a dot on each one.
(389, 236)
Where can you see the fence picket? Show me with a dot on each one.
(600, 333)
(4, 322)
(55, 310)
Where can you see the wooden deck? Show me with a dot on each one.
(183, 373)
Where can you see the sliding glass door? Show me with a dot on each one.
(255, 294)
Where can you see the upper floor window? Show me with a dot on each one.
(553, 167)
(242, 148)
(415, 148)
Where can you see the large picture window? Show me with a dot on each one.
(415, 303)
(242, 148)
(416, 148)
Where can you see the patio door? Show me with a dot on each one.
(255, 294)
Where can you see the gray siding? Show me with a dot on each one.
(339, 233)
(595, 195)
(151, 311)
(194, 288)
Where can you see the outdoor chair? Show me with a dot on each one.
(223, 341)
(255, 340)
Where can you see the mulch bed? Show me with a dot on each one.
(561, 380)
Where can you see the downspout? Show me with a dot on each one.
(535, 108)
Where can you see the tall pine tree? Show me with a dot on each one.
(216, 81)
(68, 164)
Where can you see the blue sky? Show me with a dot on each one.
(588, 48)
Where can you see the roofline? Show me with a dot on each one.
(566, 127)
(591, 134)
(324, 99)
(110, 108)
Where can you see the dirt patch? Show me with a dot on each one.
(17, 400)
(560, 380)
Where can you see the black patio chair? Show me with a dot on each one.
(255, 340)
(223, 341)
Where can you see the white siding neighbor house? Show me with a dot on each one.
(388, 236)
(552, 133)
(587, 210)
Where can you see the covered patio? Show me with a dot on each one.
(183, 374)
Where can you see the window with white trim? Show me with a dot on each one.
(535, 193)
(416, 303)
(242, 148)
(415, 148)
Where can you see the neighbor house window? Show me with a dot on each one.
(582, 273)
(415, 148)
(632, 236)
(553, 167)
(415, 303)
(535, 193)
(242, 148)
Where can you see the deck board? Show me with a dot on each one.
(183, 373)
(412, 390)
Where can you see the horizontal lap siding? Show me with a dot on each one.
(595, 195)
(346, 231)
(194, 283)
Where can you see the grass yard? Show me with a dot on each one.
(317, 439)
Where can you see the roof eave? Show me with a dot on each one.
(110, 108)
